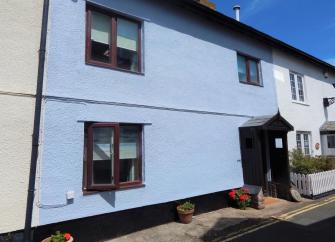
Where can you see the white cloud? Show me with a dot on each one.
(256, 6)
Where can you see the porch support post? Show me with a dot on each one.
(267, 157)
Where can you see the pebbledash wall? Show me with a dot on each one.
(191, 106)
(20, 28)
(310, 115)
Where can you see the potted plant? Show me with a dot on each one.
(241, 197)
(185, 212)
(59, 237)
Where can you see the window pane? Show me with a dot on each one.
(331, 142)
(103, 159)
(299, 142)
(253, 69)
(293, 89)
(300, 89)
(241, 62)
(306, 144)
(129, 160)
(100, 37)
(127, 39)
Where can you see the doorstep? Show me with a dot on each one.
(207, 226)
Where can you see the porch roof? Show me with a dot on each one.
(328, 126)
(257, 121)
(269, 122)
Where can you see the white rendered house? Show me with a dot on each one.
(302, 87)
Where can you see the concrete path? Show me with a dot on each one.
(211, 226)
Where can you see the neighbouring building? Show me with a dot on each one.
(302, 87)
(20, 27)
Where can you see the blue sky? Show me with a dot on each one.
(306, 24)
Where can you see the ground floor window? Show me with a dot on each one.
(331, 141)
(113, 156)
(304, 142)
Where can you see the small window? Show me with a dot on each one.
(112, 156)
(304, 142)
(113, 41)
(297, 87)
(248, 70)
(279, 143)
(331, 141)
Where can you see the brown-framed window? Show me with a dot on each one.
(112, 40)
(248, 69)
(113, 156)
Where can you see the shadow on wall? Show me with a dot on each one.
(301, 66)
(109, 226)
(109, 197)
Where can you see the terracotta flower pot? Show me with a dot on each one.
(185, 217)
(49, 240)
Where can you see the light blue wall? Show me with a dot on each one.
(189, 64)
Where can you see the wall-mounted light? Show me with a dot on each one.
(326, 74)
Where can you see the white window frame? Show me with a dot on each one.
(295, 95)
(303, 147)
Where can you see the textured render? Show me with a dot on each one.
(16, 126)
(304, 117)
(20, 23)
(189, 64)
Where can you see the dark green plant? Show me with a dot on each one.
(186, 206)
(60, 237)
(303, 164)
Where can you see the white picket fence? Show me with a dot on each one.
(314, 184)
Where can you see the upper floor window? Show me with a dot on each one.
(304, 142)
(113, 41)
(248, 70)
(297, 87)
(113, 156)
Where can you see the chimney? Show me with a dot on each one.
(237, 9)
(207, 3)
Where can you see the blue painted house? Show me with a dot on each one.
(143, 101)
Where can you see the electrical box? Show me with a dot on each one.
(70, 195)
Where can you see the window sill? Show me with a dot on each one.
(300, 103)
(125, 187)
(105, 65)
(252, 84)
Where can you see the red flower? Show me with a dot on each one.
(231, 194)
(67, 236)
(244, 197)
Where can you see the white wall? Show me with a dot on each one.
(311, 115)
(20, 23)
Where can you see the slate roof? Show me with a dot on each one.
(328, 126)
(257, 121)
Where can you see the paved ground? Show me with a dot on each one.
(314, 224)
(215, 226)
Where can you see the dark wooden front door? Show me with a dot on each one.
(278, 155)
